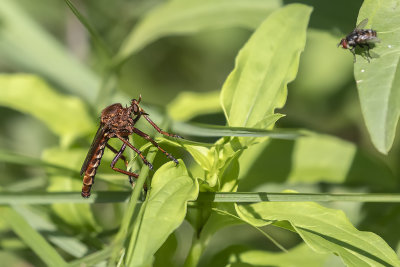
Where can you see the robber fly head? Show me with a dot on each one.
(135, 105)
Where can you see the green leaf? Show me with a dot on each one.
(312, 159)
(325, 231)
(188, 105)
(66, 116)
(185, 17)
(378, 82)
(165, 210)
(31, 237)
(75, 215)
(25, 44)
(264, 67)
(300, 255)
(40, 222)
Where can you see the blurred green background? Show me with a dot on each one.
(36, 36)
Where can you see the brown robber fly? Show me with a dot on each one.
(118, 122)
(359, 37)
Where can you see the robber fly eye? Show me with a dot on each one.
(135, 108)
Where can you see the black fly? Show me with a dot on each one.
(359, 37)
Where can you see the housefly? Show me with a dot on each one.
(359, 37)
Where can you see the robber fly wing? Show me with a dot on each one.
(93, 147)
(362, 24)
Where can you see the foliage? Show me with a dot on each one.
(196, 213)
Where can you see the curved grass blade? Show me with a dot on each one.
(32, 238)
(95, 36)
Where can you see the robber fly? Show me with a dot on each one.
(118, 122)
(359, 37)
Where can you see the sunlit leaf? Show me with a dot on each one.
(300, 255)
(378, 82)
(190, 104)
(264, 67)
(66, 116)
(325, 231)
(165, 210)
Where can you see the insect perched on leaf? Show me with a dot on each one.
(359, 37)
(118, 122)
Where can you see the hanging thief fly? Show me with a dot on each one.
(359, 37)
(118, 122)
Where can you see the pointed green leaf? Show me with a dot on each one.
(325, 231)
(264, 67)
(165, 210)
(378, 82)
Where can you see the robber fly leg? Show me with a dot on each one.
(116, 152)
(120, 157)
(136, 150)
(148, 138)
(158, 129)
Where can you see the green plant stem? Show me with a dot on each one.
(134, 200)
(195, 252)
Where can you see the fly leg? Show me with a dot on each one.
(136, 150)
(148, 138)
(352, 50)
(121, 156)
(158, 129)
(114, 161)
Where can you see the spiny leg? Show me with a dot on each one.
(158, 129)
(114, 161)
(120, 157)
(148, 138)
(136, 150)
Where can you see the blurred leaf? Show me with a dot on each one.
(39, 222)
(77, 215)
(378, 82)
(31, 237)
(165, 210)
(264, 66)
(325, 231)
(65, 115)
(311, 159)
(25, 44)
(298, 256)
(188, 105)
(186, 17)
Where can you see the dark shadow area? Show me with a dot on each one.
(273, 165)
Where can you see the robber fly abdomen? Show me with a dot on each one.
(89, 168)
(117, 122)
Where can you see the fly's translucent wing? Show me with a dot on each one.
(95, 143)
(362, 24)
